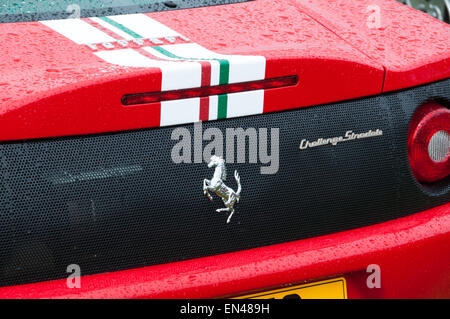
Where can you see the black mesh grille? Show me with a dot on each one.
(117, 201)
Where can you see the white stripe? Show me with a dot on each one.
(245, 103)
(246, 68)
(126, 57)
(213, 105)
(144, 25)
(175, 75)
(178, 75)
(112, 28)
(215, 72)
(192, 50)
(180, 111)
(78, 31)
(242, 67)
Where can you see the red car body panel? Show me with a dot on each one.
(413, 48)
(51, 86)
(52, 72)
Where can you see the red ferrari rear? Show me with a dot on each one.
(118, 129)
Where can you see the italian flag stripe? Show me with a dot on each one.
(121, 27)
(223, 79)
(97, 25)
(224, 64)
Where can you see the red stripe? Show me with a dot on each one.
(206, 73)
(204, 108)
(103, 29)
(206, 81)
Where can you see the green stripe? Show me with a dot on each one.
(166, 53)
(224, 76)
(222, 106)
(121, 27)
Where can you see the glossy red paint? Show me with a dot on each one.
(413, 47)
(405, 249)
(55, 87)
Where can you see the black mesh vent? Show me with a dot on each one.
(117, 201)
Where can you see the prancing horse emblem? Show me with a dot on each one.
(216, 185)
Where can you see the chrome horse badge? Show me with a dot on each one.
(216, 185)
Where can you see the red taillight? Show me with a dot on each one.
(429, 143)
(143, 98)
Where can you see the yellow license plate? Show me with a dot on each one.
(327, 289)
